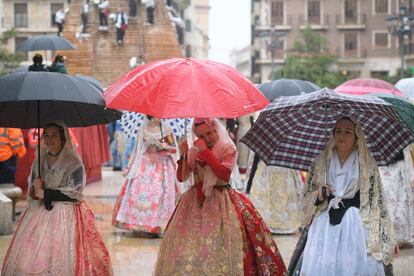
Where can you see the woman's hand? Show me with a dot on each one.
(40, 193)
(38, 184)
(397, 250)
(200, 144)
(126, 172)
(324, 192)
(183, 147)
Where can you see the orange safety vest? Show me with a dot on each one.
(11, 143)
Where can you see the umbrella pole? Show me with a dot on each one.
(38, 139)
(162, 135)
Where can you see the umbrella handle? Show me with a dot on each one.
(38, 139)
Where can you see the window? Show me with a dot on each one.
(17, 42)
(381, 6)
(276, 12)
(350, 11)
(381, 40)
(379, 74)
(20, 15)
(187, 25)
(54, 7)
(351, 44)
(314, 12)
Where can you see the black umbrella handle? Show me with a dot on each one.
(38, 139)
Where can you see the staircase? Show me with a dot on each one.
(100, 56)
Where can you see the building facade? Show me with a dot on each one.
(356, 31)
(29, 18)
(193, 32)
(241, 60)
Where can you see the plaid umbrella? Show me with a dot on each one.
(292, 131)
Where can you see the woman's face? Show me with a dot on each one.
(344, 135)
(52, 139)
(207, 133)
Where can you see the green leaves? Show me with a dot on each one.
(8, 61)
(309, 60)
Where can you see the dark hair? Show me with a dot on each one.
(59, 58)
(37, 59)
(149, 117)
(61, 131)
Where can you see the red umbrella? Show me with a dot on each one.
(362, 86)
(184, 88)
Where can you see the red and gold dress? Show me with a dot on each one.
(218, 232)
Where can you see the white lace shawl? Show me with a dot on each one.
(66, 175)
(373, 211)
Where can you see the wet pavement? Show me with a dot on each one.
(137, 255)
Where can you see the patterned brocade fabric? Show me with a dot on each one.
(226, 236)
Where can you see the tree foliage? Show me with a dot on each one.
(8, 61)
(309, 59)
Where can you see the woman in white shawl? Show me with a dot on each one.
(351, 232)
(215, 230)
(57, 234)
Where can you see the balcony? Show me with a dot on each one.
(352, 22)
(283, 25)
(314, 22)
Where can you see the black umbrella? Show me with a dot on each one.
(45, 42)
(286, 87)
(32, 99)
(91, 80)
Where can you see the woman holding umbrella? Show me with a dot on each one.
(57, 234)
(215, 230)
(351, 232)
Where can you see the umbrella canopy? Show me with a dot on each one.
(45, 42)
(32, 99)
(131, 123)
(406, 86)
(286, 87)
(292, 131)
(404, 109)
(185, 88)
(362, 86)
(91, 80)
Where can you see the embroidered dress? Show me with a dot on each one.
(359, 240)
(276, 194)
(62, 239)
(398, 179)
(215, 230)
(148, 197)
(339, 249)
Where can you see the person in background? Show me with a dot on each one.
(58, 65)
(37, 65)
(103, 15)
(60, 20)
(398, 182)
(148, 196)
(121, 24)
(11, 147)
(84, 16)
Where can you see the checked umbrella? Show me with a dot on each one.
(292, 131)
